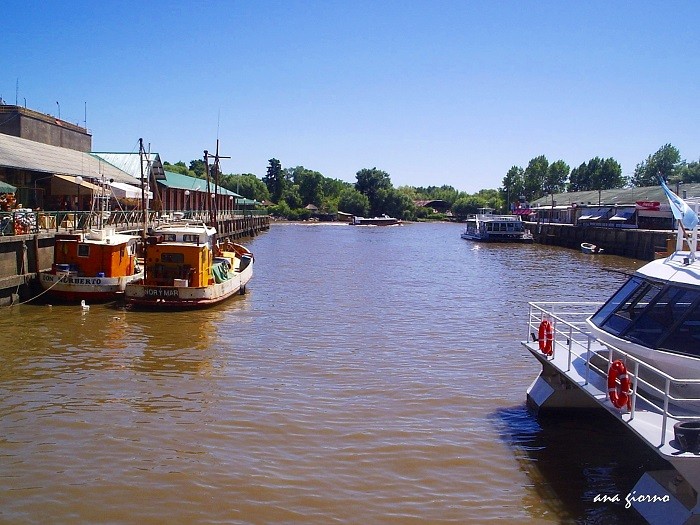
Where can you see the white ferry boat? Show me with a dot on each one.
(638, 357)
(487, 227)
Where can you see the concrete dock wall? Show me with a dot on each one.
(626, 242)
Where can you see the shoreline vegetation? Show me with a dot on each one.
(298, 193)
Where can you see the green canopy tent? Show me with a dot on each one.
(7, 188)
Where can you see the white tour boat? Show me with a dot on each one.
(487, 227)
(638, 357)
(384, 220)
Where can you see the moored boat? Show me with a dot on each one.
(636, 356)
(185, 268)
(590, 249)
(487, 227)
(384, 220)
(94, 266)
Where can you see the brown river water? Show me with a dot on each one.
(369, 375)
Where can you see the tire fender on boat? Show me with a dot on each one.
(619, 394)
(545, 337)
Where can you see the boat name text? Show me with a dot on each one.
(161, 292)
(74, 280)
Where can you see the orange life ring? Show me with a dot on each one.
(546, 337)
(619, 394)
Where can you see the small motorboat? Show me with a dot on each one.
(587, 247)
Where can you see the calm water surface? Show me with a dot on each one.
(370, 375)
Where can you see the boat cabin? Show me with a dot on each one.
(81, 255)
(655, 314)
(179, 257)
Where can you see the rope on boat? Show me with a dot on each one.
(36, 296)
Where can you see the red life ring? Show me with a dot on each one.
(546, 337)
(619, 395)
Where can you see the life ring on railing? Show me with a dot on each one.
(619, 394)
(545, 337)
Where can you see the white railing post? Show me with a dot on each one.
(667, 391)
(634, 389)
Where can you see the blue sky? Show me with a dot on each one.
(432, 92)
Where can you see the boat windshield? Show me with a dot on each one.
(655, 315)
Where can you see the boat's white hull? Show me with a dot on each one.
(185, 297)
(66, 287)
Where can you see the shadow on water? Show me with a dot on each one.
(572, 457)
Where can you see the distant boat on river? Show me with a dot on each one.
(487, 227)
(384, 220)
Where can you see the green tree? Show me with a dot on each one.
(275, 180)
(291, 196)
(353, 202)
(513, 185)
(665, 162)
(534, 178)
(557, 174)
(247, 185)
(369, 182)
(611, 175)
(310, 185)
(394, 203)
(690, 171)
(468, 205)
(579, 178)
(178, 167)
(198, 168)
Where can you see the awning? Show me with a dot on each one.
(7, 188)
(623, 215)
(594, 214)
(66, 185)
(126, 191)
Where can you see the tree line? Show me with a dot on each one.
(288, 192)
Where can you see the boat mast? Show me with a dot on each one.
(144, 201)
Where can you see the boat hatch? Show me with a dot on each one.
(653, 315)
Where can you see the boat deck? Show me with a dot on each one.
(584, 362)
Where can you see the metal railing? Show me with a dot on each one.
(649, 384)
(22, 222)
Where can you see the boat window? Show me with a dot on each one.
(83, 250)
(172, 257)
(169, 237)
(190, 238)
(616, 314)
(685, 338)
(657, 317)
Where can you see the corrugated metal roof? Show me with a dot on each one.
(619, 196)
(129, 163)
(26, 154)
(185, 182)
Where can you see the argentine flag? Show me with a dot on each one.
(680, 209)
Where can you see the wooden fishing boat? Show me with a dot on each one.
(185, 268)
(94, 266)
